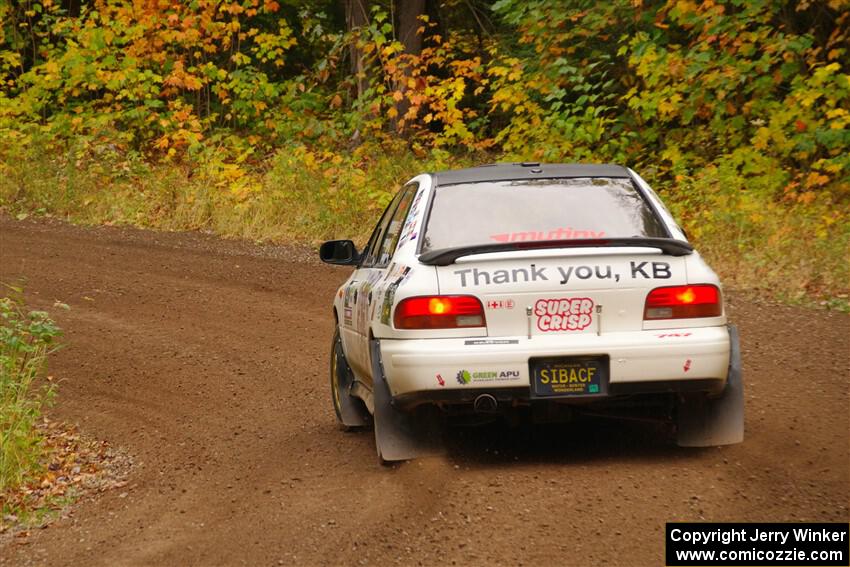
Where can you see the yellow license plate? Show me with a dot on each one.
(569, 377)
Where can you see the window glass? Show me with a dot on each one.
(373, 248)
(391, 235)
(538, 210)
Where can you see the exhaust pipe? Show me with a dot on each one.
(485, 403)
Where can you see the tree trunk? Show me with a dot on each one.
(409, 23)
(357, 16)
(409, 12)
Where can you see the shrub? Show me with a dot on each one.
(26, 339)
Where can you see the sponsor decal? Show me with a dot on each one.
(408, 231)
(500, 304)
(687, 365)
(399, 274)
(440, 380)
(561, 233)
(564, 274)
(465, 376)
(349, 297)
(673, 335)
(476, 342)
(363, 298)
(563, 314)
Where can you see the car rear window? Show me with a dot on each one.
(538, 210)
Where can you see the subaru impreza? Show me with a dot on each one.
(530, 291)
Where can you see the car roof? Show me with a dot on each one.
(527, 170)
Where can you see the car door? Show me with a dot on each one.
(348, 321)
(372, 276)
(351, 327)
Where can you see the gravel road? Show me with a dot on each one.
(206, 360)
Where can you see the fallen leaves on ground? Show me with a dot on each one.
(74, 466)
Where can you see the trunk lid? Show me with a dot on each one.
(567, 293)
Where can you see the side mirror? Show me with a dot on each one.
(340, 252)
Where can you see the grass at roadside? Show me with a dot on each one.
(26, 340)
(756, 234)
(44, 464)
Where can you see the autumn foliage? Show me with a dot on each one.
(739, 111)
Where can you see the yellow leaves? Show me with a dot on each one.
(815, 179)
(807, 198)
(308, 158)
(179, 78)
(162, 143)
(762, 138)
(809, 98)
(230, 172)
(192, 83)
(686, 7)
(51, 67)
(240, 59)
(391, 49)
(668, 106)
(839, 118)
(831, 167)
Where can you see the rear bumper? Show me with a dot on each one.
(694, 359)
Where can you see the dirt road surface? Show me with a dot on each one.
(206, 360)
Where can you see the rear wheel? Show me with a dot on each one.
(350, 412)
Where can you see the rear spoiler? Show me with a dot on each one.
(447, 256)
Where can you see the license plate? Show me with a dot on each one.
(575, 376)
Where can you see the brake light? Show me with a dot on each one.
(439, 312)
(683, 302)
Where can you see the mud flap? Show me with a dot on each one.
(399, 436)
(706, 422)
(351, 411)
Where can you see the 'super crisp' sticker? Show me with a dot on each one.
(564, 314)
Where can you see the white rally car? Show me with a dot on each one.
(530, 290)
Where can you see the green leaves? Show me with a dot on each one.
(26, 338)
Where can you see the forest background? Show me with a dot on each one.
(296, 120)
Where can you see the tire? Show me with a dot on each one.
(350, 412)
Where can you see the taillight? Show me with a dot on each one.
(683, 302)
(439, 312)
